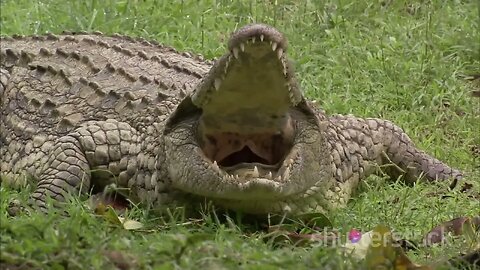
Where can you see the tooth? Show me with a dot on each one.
(227, 64)
(270, 175)
(226, 68)
(279, 178)
(253, 40)
(262, 37)
(215, 166)
(235, 52)
(255, 172)
(290, 161)
(274, 46)
(217, 83)
(279, 53)
(286, 174)
(242, 47)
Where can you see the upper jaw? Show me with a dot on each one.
(252, 44)
(246, 101)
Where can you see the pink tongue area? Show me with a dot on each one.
(266, 144)
(235, 148)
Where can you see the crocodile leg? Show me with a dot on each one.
(94, 155)
(365, 145)
(408, 160)
(67, 172)
(360, 147)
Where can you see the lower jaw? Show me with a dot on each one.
(242, 167)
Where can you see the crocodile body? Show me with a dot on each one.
(80, 111)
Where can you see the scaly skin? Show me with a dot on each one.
(80, 111)
(104, 98)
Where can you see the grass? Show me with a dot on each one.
(401, 60)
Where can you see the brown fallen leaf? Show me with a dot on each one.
(282, 234)
(115, 200)
(455, 227)
(121, 260)
(301, 230)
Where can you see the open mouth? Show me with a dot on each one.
(245, 135)
(246, 129)
(262, 153)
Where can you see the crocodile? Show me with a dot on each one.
(80, 111)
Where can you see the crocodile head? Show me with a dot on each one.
(245, 137)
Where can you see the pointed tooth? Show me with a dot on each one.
(278, 178)
(217, 83)
(215, 166)
(235, 52)
(262, 37)
(255, 172)
(226, 68)
(286, 174)
(270, 175)
(242, 47)
(274, 46)
(253, 40)
(279, 53)
(227, 64)
(290, 161)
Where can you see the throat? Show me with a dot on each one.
(245, 155)
(267, 147)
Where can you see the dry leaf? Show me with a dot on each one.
(384, 254)
(455, 227)
(121, 260)
(109, 214)
(359, 248)
(287, 233)
(130, 224)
